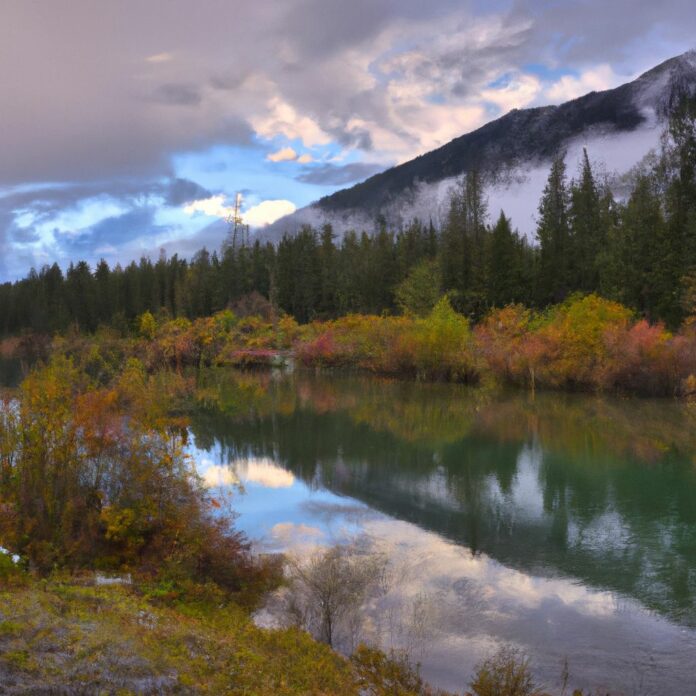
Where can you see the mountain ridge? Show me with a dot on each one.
(506, 148)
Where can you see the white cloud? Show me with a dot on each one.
(286, 154)
(570, 87)
(259, 215)
(216, 476)
(282, 119)
(305, 159)
(160, 58)
(267, 212)
(212, 207)
(516, 94)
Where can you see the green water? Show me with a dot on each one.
(565, 524)
(11, 372)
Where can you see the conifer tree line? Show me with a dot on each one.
(640, 251)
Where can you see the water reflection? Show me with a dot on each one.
(11, 372)
(550, 524)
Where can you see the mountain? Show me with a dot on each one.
(619, 127)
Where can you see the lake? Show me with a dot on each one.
(564, 525)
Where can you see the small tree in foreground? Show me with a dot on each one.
(506, 673)
(328, 593)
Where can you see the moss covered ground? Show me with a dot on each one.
(66, 637)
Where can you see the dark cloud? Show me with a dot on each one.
(338, 175)
(178, 94)
(111, 232)
(140, 198)
(182, 191)
(79, 80)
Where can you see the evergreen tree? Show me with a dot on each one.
(506, 262)
(553, 236)
(328, 291)
(587, 236)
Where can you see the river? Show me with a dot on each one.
(564, 525)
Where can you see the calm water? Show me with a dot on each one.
(11, 372)
(564, 525)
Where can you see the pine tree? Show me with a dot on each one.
(587, 235)
(553, 236)
(503, 264)
(328, 292)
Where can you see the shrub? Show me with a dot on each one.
(506, 673)
(98, 477)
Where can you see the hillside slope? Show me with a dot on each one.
(619, 127)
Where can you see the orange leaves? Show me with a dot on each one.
(587, 343)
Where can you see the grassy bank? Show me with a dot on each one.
(67, 637)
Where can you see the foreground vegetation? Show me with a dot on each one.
(94, 477)
(65, 637)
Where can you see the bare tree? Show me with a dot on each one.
(328, 593)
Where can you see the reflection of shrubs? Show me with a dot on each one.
(506, 673)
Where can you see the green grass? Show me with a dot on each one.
(68, 637)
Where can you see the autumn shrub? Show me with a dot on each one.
(574, 337)
(643, 359)
(506, 673)
(380, 674)
(502, 339)
(437, 347)
(173, 345)
(98, 477)
(354, 340)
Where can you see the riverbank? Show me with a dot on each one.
(68, 636)
(585, 344)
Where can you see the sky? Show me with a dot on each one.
(128, 126)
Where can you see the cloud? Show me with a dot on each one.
(178, 94)
(85, 103)
(286, 154)
(570, 86)
(516, 93)
(214, 206)
(107, 103)
(337, 175)
(280, 118)
(259, 215)
(180, 191)
(160, 58)
(268, 212)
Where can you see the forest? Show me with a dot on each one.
(639, 251)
